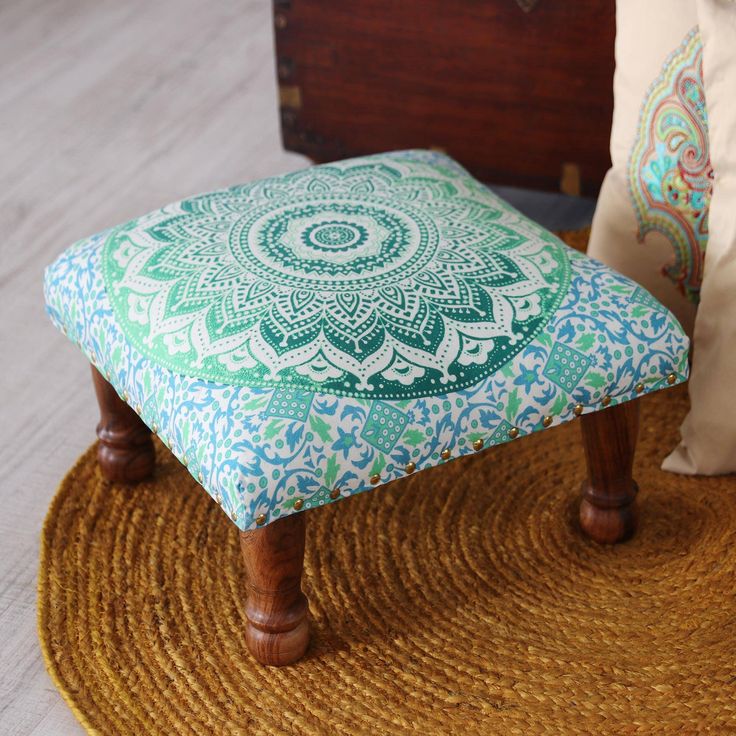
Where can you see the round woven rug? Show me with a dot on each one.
(460, 600)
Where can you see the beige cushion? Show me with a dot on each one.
(648, 34)
(709, 431)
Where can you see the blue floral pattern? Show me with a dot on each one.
(264, 453)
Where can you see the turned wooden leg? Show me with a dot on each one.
(608, 509)
(125, 452)
(277, 631)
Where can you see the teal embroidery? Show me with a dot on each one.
(390, 276)
(670, 174)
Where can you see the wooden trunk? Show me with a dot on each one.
(521, 98)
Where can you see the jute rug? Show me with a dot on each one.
(462, 600)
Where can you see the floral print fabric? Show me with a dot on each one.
(265, 451)
(386, 277)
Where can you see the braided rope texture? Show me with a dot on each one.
(460, 600)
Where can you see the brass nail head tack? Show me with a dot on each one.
(546, 421)
(671, 378)
(410, 467)
(639, 387)
(335, 493)
(375, 479)
(578, 410)
(606, 400)
(261, 519)
(514, 432)
(137, 408)
(445, 454)
(200, 477)
(298, 504)
(477, 445)
(234, 516)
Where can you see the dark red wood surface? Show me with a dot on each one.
(125, 451)
(277, 632)
(514, 96)
(608, 512)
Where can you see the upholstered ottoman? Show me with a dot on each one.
(298, 340)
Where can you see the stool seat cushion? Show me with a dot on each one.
(306, 337)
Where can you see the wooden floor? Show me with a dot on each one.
(107, 110)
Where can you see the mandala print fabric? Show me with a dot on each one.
(529, 334)
(670, 175)
(388, 277)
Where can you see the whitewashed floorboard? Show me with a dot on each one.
(107, 109)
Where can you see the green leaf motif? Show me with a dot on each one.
(559, 406)
(272, 429)
(586, 342)
(378, 464)
(321, 427)
(639, 311)
(545, 338)
(596, 380)
(331, 472)
(257, 402)
(513, 406)
(413, 437)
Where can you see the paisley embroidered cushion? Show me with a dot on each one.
(709, 431)
(304, 338)
(670, 173)
(651, 222)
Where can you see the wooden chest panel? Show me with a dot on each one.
(514, 96)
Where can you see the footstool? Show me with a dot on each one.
(297, 340)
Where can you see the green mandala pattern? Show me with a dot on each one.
(390, 276)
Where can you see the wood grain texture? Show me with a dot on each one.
(608, 511)
(516, 97)
(277, 632)
(125, 453)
